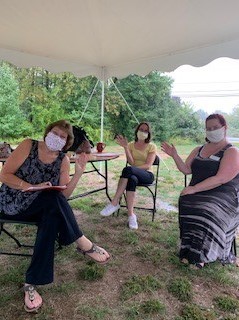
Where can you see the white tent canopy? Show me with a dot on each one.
(109, 38)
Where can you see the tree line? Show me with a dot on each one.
(32, 98)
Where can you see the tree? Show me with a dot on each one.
(187, 123)
(233, 122)
(149, 98)
(12, 122)
(45, 97)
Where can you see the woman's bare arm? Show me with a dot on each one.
(80, 164)
(229, 168)
(15, 160)
(184, 167)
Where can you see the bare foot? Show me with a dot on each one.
(33, 300)
(96, 253)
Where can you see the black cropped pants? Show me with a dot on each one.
(136, 176)
(54, 218)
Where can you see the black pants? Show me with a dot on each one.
(136, 176)
(54, 218)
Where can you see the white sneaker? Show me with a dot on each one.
(109, 209)
(132, 221)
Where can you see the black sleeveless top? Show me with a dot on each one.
(33, 171)
(203, 168)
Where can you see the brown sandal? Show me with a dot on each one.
(93, 249)
(31, 290)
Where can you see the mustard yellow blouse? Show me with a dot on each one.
(140, 156)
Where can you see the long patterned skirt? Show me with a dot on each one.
(208, 221)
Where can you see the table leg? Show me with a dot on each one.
(106, 180)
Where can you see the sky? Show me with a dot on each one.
(211, 87)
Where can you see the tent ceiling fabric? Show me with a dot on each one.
(117, 37)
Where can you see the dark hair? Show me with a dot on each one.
(66, 127)
(217, 116)
(148, 139)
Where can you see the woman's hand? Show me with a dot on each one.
(81, 161)
(188, 190)
(43, 184)
(122, 141)
(169, 149)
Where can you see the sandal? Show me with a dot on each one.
(93, 249)
(31, 290)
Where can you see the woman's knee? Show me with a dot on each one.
(53, 200)
(126, 172)
(132, 183)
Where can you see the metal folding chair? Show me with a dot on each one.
(19, 244)
(3, 230)
(152, 188)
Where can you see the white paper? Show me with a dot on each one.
(104, 154)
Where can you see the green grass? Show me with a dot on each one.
(91, 271)
(227, 303)
(149, 252)
(138, 284)
(129, 237)
(195, 312)
(145, 309)
(181, 288)
(92, 312)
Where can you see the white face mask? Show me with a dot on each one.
(54, 142)
(142, 135)
(216, 135)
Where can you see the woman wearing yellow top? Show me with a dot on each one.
(140, 155)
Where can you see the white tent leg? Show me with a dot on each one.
(102, 118)
(102, 111)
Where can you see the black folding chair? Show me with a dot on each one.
(152, 189)
(3, 222)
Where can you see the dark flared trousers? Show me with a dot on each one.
(55, 219)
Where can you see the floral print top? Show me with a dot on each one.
(33, 171)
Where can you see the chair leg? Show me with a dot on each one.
(19, 244)
(234, 247)
(154, 208)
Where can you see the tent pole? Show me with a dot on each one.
(102, 111)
